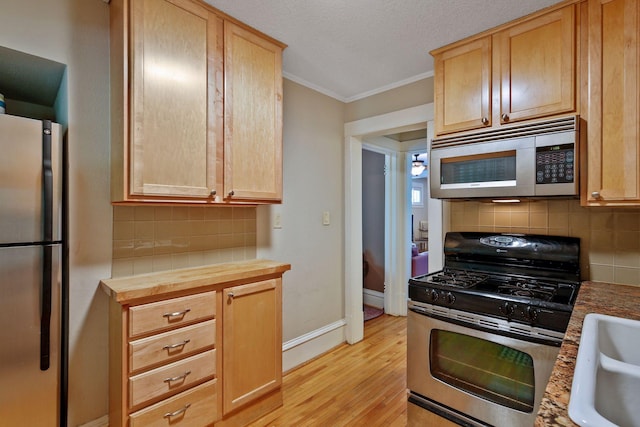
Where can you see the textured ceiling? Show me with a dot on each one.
(349, 49)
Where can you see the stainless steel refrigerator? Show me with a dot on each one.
(32, 256)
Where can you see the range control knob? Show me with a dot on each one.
(507, 309)
(434, 295)
(451, 298)
(531, 313)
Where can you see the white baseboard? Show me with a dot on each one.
(312, 344)
(373, 298)
(100, 422)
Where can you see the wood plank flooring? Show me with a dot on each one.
(352, 385)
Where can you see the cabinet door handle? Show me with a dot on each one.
(172, 346)
(231, 295)
(485, 121)
(178, 412)
(505, 117)
(176, 313)
(213, 193)
(231, 193)
(595, 194)
(179, 377)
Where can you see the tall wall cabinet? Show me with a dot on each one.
(519, 71)
(196, 106)
(613, 110)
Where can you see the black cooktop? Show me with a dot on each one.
(530, 279)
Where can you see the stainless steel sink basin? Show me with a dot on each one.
(606, 382)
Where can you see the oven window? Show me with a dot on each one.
(495, 372)
(493, 167)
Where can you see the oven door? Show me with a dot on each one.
(471, 375)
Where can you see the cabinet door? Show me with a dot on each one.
(253, 116)
(176, 120)
(463, 87)
(252, 342)
(613, 175)
(535, 62)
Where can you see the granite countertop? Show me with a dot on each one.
(594, 297)
(127, 289)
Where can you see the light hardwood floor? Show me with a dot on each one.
(353, 385)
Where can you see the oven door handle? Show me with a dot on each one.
(554, 342)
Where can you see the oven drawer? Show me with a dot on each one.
(172, 345)
(172, 378)
(419, 416)
(196, 407)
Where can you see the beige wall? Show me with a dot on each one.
(75, 33)
(147, 239)
(411, 95)
(609, 238)
(313, 151)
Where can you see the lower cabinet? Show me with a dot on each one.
(211, 355)
(252, 342)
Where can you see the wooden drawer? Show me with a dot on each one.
(185, 373)
(170, 346)
(162, 315)
(198, 406)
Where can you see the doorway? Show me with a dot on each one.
(374, 165)
(399, 233)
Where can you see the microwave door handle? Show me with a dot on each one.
(47, 226)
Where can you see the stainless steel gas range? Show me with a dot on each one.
(484, 332)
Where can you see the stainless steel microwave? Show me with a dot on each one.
(529, 160)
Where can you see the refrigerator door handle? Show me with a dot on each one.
(47, 273)
(45, 315)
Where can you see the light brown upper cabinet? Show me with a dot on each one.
(536, 62)
(613, 113)
(253, 116)
(519, 71)
(463, 87)
(178, 91)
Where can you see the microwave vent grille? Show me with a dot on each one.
(529, 129)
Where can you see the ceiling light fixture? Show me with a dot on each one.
(417, 166)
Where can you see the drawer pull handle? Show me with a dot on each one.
(179, 377)
(178, 412)
(176, 313)
(172, 346)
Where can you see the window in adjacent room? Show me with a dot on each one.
(417, 194)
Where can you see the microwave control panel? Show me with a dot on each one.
(555, 164)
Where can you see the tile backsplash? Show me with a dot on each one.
(609, 237)
(147, 239)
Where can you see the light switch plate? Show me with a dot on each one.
(277, 221)
(326, 218)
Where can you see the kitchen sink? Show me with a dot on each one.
(606, 381)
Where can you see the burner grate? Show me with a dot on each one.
(529, 289)
(457, 278)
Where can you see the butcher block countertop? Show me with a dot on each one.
(132, 288)
(594, 297)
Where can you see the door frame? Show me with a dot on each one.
(396, 290)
